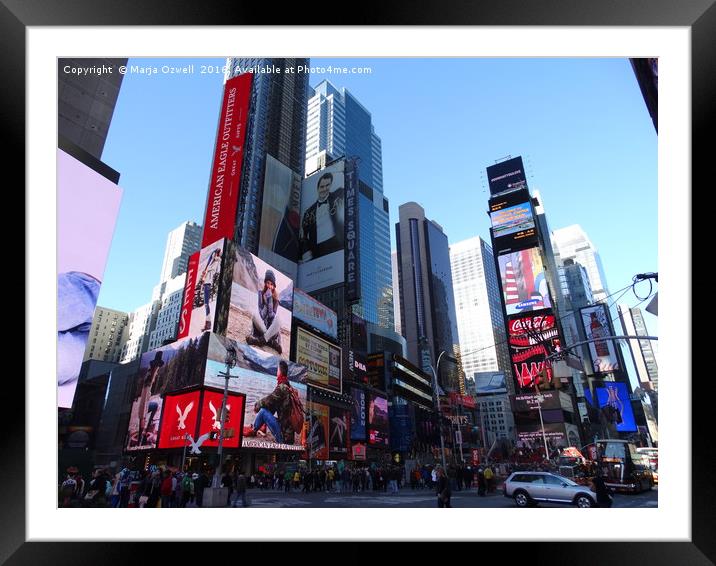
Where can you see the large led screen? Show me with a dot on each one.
(531, 339)
(171, 368)
(323, 228)
(490, 382)
(597, 325)
(339, 433)
(275, 407)
(378, 423)
(211, 418)
(181, 413)
(318, 432)
(87, 209)
(315, 313)
(512, 220)
(615, 406)
(507, 175)
(524, 285)
(279, 236)
(323, 360)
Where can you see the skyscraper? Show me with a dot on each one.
(181, 243)
(276, 126)
(478, 306)
(107, 335)
(633, 325)
(340, 126)
(427, 303)
(573, 243)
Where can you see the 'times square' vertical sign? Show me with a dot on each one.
(224, 185)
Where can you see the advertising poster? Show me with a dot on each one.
(83, 242)
(279, 236)
(171, 368)
(315, 313)
(322, 359)
(358, 415)
(339, 433)
(187, 301)
(507, 175)
(211, 419)
(378, 423)
(318, 432)
(530, 436)
(205, 289)
(323, 228)
(595, 321)
(531, 339)
(490, 382)
(260, 306)
(615, 406)
(225, 182)
(512, 220)
(524, 285)
(275, 404)
(181, 413)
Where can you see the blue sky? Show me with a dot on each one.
(581, 126)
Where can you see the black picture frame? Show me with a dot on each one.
(699, 16)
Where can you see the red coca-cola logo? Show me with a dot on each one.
(538, 323)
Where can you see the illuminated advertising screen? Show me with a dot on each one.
(339, 433)
(596, 323)
(260, 306)
(615, 406)
(323, 228)
(490, 382)
(512, 220)
(318, 432)
(323, 360)
(211, 419)
(171, 368)
(181, 413)
(524, 286)
(225, 182)
(529, 401)
(378, 423)
(275, 404)
(531, 339)
(530, 436)
(358, 415)
(507, 175)
(279, 236)
(87, 209)
(202, 284)
(315, 313)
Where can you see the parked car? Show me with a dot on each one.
(530, 488)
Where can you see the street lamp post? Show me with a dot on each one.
(437, 407)
(230, 362)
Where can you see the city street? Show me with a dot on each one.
(408, 498)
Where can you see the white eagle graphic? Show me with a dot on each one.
(215, 412)
(199, 441)
(183, 415)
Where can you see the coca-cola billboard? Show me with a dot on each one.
(531, 339)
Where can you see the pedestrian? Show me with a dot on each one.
(600, 488)
(200, 483)
(241, 490)
(296, 479)
(166, 490)
(481, 485)
(443, 489)
(489, 479)
(187, 489)
(288, 476)
(227, 481)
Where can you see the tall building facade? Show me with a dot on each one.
(165, 327)
(480, 323)
(181, 243)
(573, 243)
(276, 126)
(427, 303)
(396, 292)
(633, 324)
(107, 335)
(338, 125)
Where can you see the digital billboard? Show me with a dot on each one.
(171, 368)
(490, 382)
(378, 423)
(260, 305)
(318, 432)
(189, 296)
(531, 339)
(529, 401)
(211, 418)
(596, 323)
(531, 437)
(275, 404)
(507, 175)
(181, 413)
(279, 235)
(524, 285)
(615, 406)
(339, 433)
(323, 360)
(323, 228)
(358, 415)
(315, 313)
(87, 209)
(512, 220)
(225, 182)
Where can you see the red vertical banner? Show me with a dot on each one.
(187, 304)
(224, 186)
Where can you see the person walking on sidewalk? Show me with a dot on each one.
(443, 488)
(241, 491)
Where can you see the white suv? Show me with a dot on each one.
(529, 488)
